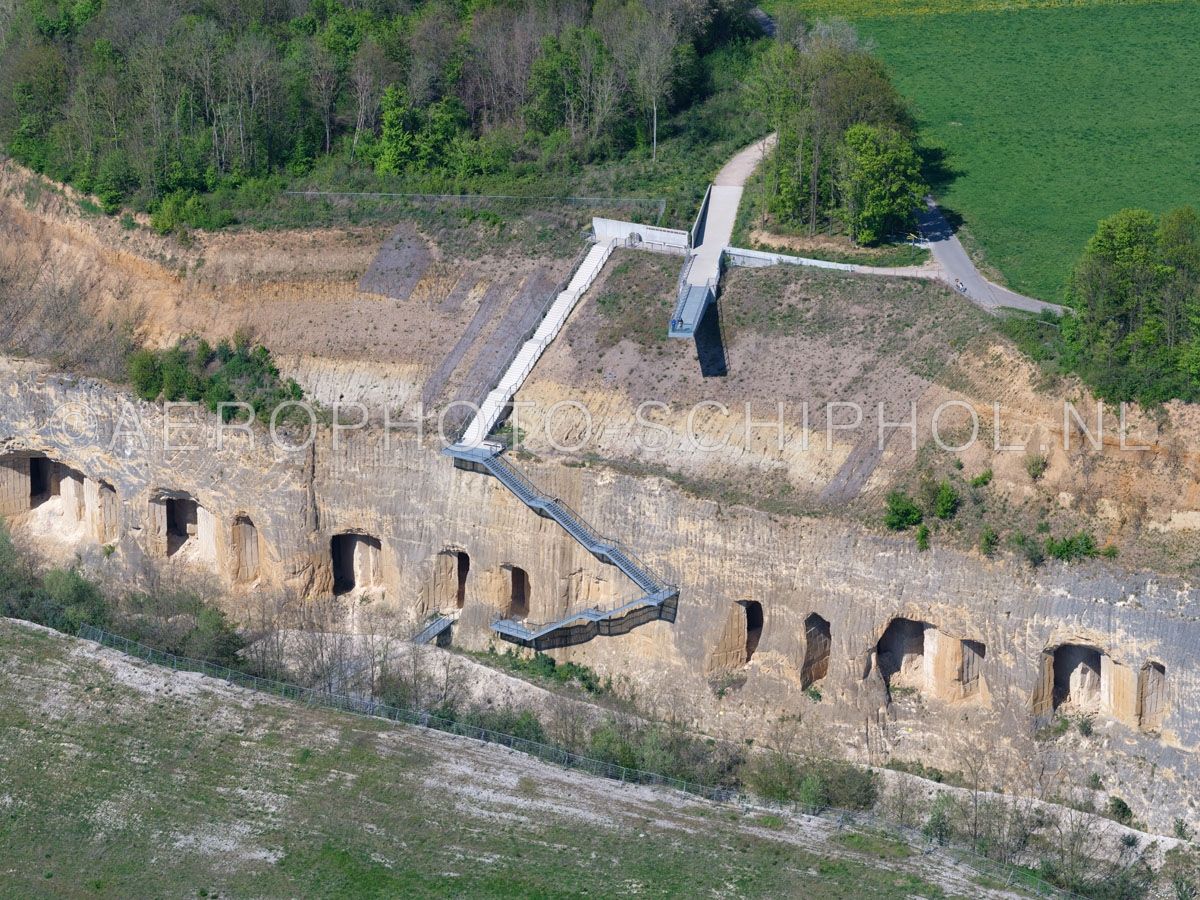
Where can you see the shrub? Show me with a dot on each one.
(988, 540)
(946, 501)
(1086, 726)
(1036, 466)
(813, 783)
(983, 479)
(937, 827)
(77, 600)
(1031, 549)
(922, 537)
(1182, 831)
(1119, 810)
(145, 372)
(901, 512)
(1076, 546)
(193, 370)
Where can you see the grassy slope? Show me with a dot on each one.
(1052, 117)
(122, 780)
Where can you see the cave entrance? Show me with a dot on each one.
(355, 562)
(817, 643)
(183, 517)
(1077, 671)
(43, 481)
(1152, 699)
(900, 653)
(462, 570)
(518, 603)
(754, 625)
(244, 550)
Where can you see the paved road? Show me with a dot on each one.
(954, 264)
(723, 204)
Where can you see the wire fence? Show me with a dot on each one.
(658, 203)
(1002, 874)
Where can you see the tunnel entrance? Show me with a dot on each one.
(462, 570)
(1152, 700)
(817, 643)
(900, 653)
(183, 518)
(518, 603)
(355, 562)
(43, 481)
(1077, 675)
(754, 625)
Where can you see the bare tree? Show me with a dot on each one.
(367, 78)
(325, 80)
(646, 45)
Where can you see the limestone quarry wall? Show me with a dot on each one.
(717, 667)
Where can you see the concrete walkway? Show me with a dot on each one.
(723, 205)
(955, 265)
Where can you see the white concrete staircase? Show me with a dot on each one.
(531, 351)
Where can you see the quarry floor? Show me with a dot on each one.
(125, 778)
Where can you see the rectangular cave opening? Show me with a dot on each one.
(355, 560)
(754, 625)
(463, 569)
(817, 643)
(900, 654)
(183, 517)
(42, 481)
(1077, 678)
(518, 602)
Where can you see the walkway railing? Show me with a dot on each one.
(1011, 876)
(529, 352)
(659, 600)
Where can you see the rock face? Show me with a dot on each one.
(931, 655)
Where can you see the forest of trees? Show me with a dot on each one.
(157, 104)
(846, 158)
(1135, 334)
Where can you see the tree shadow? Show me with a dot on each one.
(710, 344)
(939, 174)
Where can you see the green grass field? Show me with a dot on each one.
(1052, 115)
(122, 779)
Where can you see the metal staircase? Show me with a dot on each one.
(658, 601)
(433, 631)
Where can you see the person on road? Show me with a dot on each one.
(959, 286)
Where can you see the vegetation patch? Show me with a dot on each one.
(221, 377)
(1017, 100)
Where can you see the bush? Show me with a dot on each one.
(937, 827)
(922, 537)
(77, 600)
(1076, 546)
(1030, 548)
(1119, 811)
(813, 783)
(901, 512)
(1036, 466)
(193, 370)
(983, 479)
(946, 501)
(988, 540)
